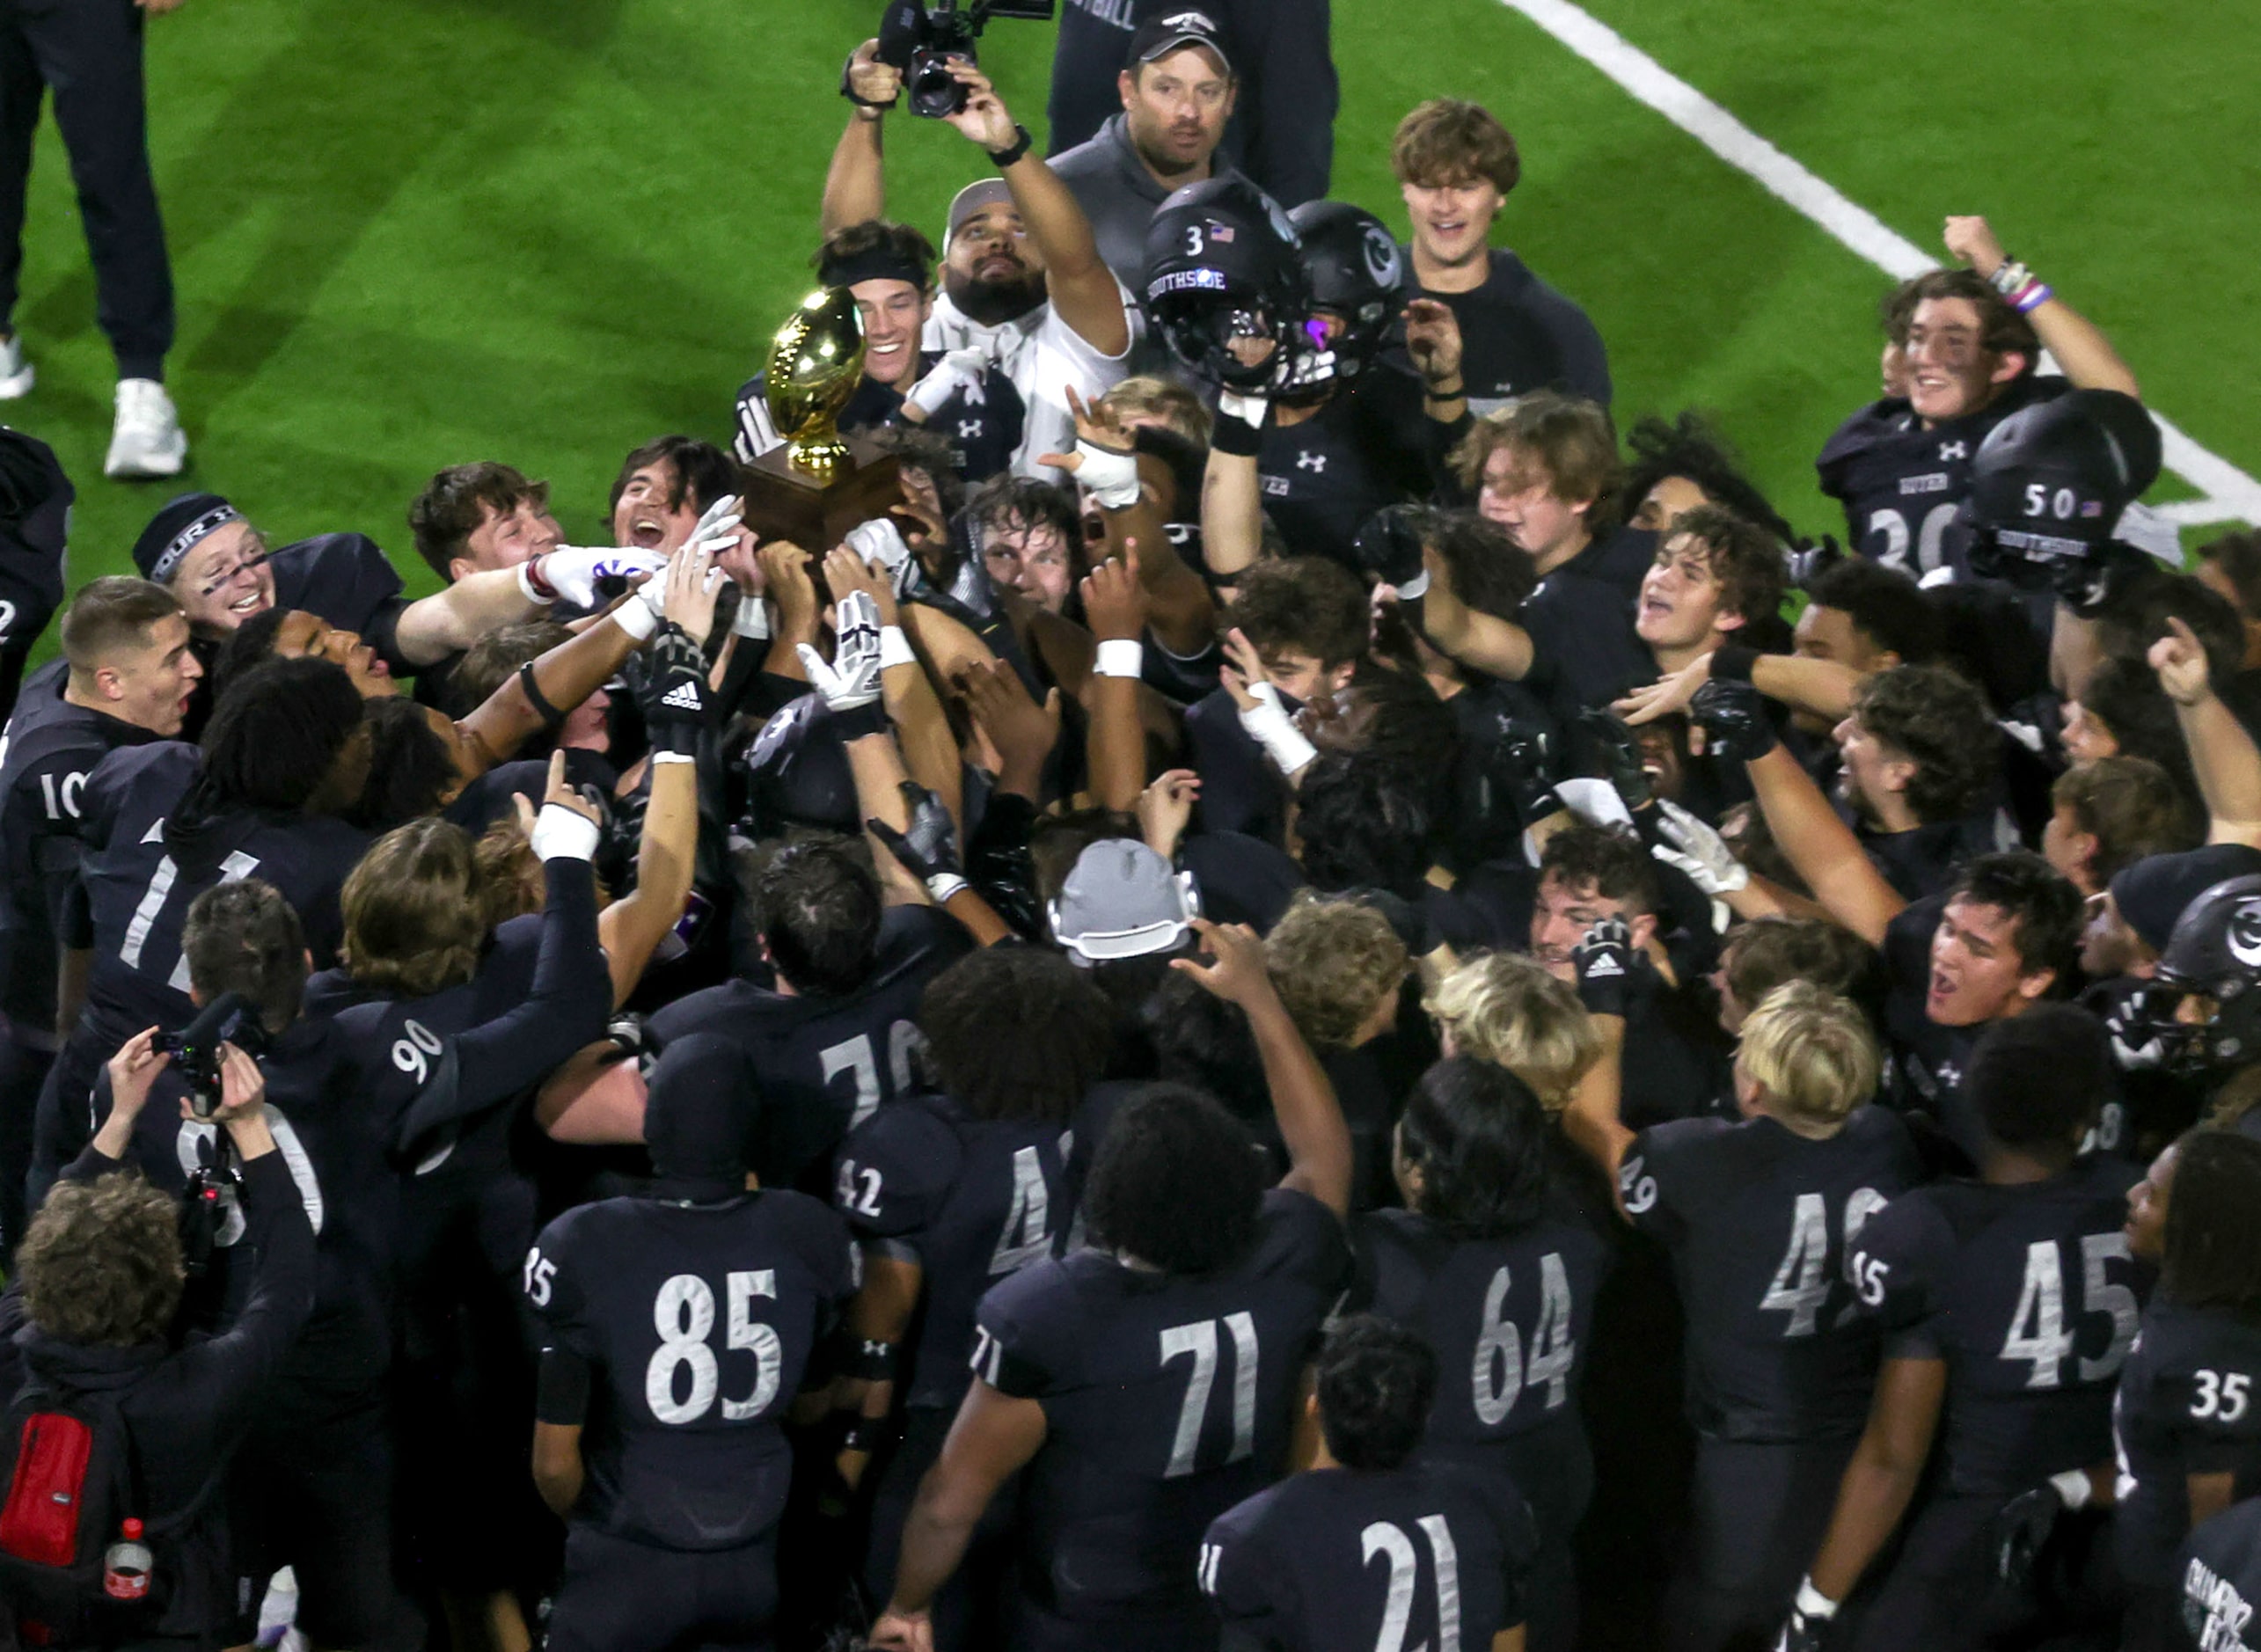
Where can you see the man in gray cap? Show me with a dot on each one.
(1024, 289)
(1178, 92)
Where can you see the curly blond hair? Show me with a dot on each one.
(1333, 961)
(1504, 1007)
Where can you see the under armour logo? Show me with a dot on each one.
(1307, 461)
(968, 428)
(1949, 1074)
(1950, 452)
(684, 697)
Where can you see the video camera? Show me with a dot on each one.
(920, 40)
(195, 1049)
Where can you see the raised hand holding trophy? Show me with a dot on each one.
(820, 484)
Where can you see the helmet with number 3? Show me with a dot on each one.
(1357, 278)
(1225, 287)
(2048, 486)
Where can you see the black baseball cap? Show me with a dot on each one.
(1159, 37)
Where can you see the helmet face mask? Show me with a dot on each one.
(1237, 339)
(1356, 276)
(2214, 957)
(1224, 286)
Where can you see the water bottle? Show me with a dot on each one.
(126, 1565)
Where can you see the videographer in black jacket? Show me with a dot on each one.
(99, 1282)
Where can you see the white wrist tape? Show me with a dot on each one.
(1415, 589)
(1270, 726)
(1812, 1603)
(895, 647)
(1121, 656)
(2073, 1487)
(659, 758)
(1248, 409)
(637, 619)
(944, 885)
(1110, 476)
(559, 834)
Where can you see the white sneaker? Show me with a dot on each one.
(146, 440)
(16, 375)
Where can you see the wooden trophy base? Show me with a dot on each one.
(780, 502)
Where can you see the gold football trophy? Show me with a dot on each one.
(820, 484)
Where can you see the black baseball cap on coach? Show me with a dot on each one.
(1159, 36)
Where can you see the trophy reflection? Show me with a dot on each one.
(820, 484)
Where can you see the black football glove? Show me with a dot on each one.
(1810, 558)
(1527, 765)
(1606, 962)
(672, 692)
(1802, 1633)
(1733, 717)
(2020, 1532)
(1621, 755)
(929, 849)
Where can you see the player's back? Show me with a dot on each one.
(1168, 1399)
(1342, 1560)
(696, 1323)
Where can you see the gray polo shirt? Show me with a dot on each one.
(1119, 194)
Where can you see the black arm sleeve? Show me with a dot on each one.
(233, 1368)
(571, 998)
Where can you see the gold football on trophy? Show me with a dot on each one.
(814, 364)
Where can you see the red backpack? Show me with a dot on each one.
(67, 1463)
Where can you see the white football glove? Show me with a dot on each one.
(570, 571)
(851, 677)
(953, 373)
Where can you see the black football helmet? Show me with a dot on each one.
(797, 773)
(2047, 486)
(1356, 276)
(2214, 953)
(1224, 284)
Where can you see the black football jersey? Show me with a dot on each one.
(1924, 1072)
(1585, 651)
(826, 1064)
(1517, 334)
(1366, 447)
(969, 1200)
(1343, 1560)
(696, 1322)
(1167, 1400)
(1758, 1220)
(1512, 1320)
(49, 749)
(2186, 1406)
(2218, 1576)
(1902, 484)
(2030, 1296)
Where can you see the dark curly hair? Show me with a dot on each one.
(1938, 721)
(100, 1264)
(276, 731)
(443, 518)
(2125, 696)
(1376, 1382)
(1490, 572)
(2048, 910)
(1691, 446)
(1177, 1182)
(1306, 603)
(2037, 1080)
(1747, 563)
(1363, 822)
(1613, 862)
(1016, 1032)
(1885, 606)
(1764, 953)
(1478, 1136)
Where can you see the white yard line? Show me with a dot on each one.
(2229, 493)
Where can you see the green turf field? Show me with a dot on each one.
(542, 231)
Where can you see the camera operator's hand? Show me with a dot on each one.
(872, 85)
(984, 119)
(133, 1070)
(243, 1104)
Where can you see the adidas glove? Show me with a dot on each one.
(672, 695)
(1605, 961)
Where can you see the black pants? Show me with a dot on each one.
(88, 52)
(1939, 1594)
(1757, 1516)
(622, 1597)
(23, 1072)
